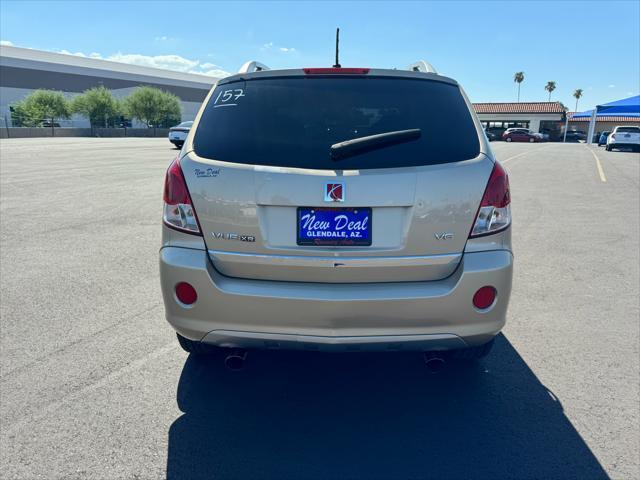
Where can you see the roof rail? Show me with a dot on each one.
(422, 66)
(253, 66)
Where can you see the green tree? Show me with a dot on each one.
(153, 107)
(577, 94)
(171, 111)
(550, 87)
(41, 106)
(98, 105)
(518, 78)
(20, 115)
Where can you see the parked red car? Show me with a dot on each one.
(520, 135)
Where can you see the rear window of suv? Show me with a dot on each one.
(293, 121)
(628, 130)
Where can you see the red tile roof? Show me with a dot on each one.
(521, 107)
(604, 118)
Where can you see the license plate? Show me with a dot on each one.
(176, 137)
(328, 226)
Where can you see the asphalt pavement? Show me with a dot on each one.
(94, 385)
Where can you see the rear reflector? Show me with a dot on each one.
(484, 298)
(178, 208)
(336, 71)
(494, 213)
(186, 293)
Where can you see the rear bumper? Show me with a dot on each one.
(177, 138)
(233, 312)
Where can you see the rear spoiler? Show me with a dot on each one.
(255, 66)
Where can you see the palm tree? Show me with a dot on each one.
(577, 94)
(550, 87)
(518, 78)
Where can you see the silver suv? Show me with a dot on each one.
(344, 209)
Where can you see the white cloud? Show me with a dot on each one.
(212, 73)
(167, 62)
(271, 45)
(75, 54)
(612, 86)
(164, 38)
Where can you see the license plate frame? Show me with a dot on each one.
(323, 214)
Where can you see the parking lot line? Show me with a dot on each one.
(519, 155)
(598, 165)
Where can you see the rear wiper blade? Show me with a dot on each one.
(357, 146)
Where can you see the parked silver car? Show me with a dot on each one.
(343, 209)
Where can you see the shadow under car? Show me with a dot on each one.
(306, 415)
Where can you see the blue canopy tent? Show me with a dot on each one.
(627, 107)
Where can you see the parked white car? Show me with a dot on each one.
(178, 134)
(624, 137)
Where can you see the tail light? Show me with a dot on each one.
(178, 208)
(494, 213)
(613, 135)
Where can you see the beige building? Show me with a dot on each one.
(542, 117)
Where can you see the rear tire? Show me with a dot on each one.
(531, 140)
(608, 148)
(475, 353)
(196, 348)
(508, 139)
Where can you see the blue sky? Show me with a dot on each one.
(578, 44)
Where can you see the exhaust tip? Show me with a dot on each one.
(235, 360)
(434, 362)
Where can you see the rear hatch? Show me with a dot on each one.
(276, 202)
